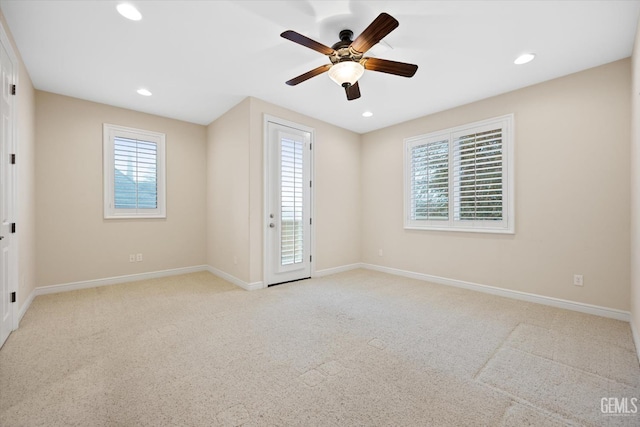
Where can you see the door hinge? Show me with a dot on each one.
(13, 89)
(13, 297)
(13, 159)
(310, 145)
(310, 258)
(13, 227)
(310, 221)
(310, 184)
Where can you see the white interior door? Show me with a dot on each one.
(288, 205)
(6, 197)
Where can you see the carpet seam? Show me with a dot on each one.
(505, 341)
(495, 352)
(591, 374)
(522, 400)
(563, 334)
(563, 417)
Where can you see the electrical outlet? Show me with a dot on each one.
(132, 258)
(138, 257)
(577, 280)
(380, 252)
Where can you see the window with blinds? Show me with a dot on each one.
(134, 173)
(461, 178)
(291, 200)
(477, 178)
(430, 180)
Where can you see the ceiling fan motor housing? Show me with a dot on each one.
(342, 49)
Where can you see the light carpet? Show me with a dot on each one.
(359, 348)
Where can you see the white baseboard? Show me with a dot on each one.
(52, 289)
(232, 279)
(335, 270)
(523, 296)
(86, 284)
(25, 307)
(636, 338)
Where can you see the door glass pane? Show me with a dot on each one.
(291, 199)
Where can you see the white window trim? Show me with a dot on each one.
(507, 225)
(110, 132)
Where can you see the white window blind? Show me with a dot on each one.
(291, 197)
(430, 180)
(461, 178)
(477, 183)
(134, 173)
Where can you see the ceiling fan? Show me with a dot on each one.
(347, 56)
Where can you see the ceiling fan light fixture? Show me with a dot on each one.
(129, 11)
(524, 58)
(346, 72)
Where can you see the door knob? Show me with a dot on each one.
(271, 225)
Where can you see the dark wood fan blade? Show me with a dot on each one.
(307, 42)
(391, 67)
(376, 31)
(353, 91)
(306, 76)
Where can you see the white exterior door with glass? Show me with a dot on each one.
(288, 189)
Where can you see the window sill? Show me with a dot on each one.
(462, 229)
(135, 217)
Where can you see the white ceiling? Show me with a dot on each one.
(200, 58)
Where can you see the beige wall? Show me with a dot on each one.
(572, 194)
(25, 221)
(235, 186)
(228, 192)
(336, 162)
(214, 200)
(75, 243)
(635, 189)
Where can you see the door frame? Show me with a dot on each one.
(13, 178)
(267, 118)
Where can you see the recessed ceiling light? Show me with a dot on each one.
(129, 11)
(524, 58)
(367, 114)
(144, 92)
